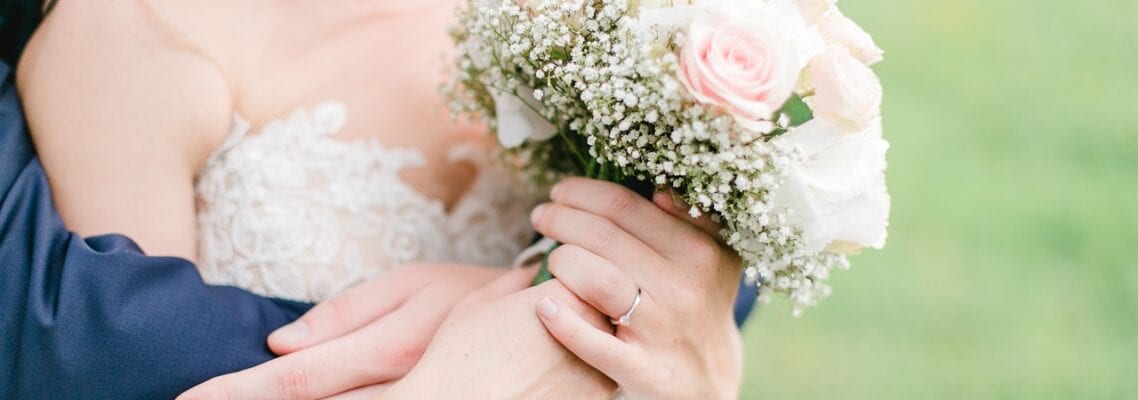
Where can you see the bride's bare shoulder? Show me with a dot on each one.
(108, 58)
(123, 110)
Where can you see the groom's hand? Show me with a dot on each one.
(371, 334)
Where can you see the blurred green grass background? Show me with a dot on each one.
(1012, 270)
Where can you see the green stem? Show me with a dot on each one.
(543, 273)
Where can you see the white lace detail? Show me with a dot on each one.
(292, 212)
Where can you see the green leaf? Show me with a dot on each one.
(798, 111)
(543, 273)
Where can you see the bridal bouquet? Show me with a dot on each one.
(763, 113)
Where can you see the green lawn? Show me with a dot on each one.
(1012, 267)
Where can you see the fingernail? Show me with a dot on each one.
(536, 214)
(665, 200)
(293, 333)
(554, 191)
(679, 203)
(547, 309)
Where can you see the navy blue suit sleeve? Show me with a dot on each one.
(96, 318)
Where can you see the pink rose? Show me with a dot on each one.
(837, 28)
(846, 92)
(741, 62)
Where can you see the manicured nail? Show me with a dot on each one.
(291, 334)
(554, 191)
(536, 214)
(547, 309)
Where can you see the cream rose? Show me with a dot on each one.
(835, 27)
(837, 194)
(517, 120)
(846, 92)
(740, 61)
(813, 10)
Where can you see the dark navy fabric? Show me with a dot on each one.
(18, 19)
(745, 302)
(95, 318)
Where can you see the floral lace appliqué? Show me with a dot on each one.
(292, 212)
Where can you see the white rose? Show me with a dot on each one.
(846, 91)
(837, 194)
(813, 10)
(517, 120)
(807, 40)
(837, 28)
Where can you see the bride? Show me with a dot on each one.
(299, 148)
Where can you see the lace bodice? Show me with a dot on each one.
(293, 212)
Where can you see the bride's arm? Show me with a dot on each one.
(122, 115)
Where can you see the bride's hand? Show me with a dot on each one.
(681, 342)
(372, 333)
(492, 346)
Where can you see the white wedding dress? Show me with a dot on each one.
(295, 213)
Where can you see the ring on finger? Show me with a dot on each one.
(626, 319)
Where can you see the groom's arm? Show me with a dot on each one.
(96, 318)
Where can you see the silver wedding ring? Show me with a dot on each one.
(625, 319)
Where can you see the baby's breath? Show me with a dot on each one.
(621, 113)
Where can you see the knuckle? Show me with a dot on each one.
(395, 360)
(293, 384)
(621, 201)
(338, 310)
(609, 290)
(407, 356)
(564, 254)
(687, 301)
(570, 334)
(609, 360)
(705, 252)
(602, 236)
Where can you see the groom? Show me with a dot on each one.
(94, 317)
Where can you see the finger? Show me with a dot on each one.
(509, 282)
(676, 206)
(306, 374)
(594, 279)
(556, 290)
(367, 392)
(340, 315)
(628, 210)
(590, 231)
(618, 360)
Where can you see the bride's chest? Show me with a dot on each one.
(295, 211)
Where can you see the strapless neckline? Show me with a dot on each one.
(329, 118)
(291, 211)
